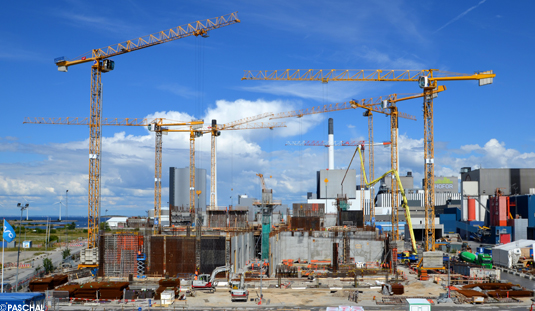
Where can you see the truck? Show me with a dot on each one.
(485, 260)
(407, 257)
(238, 292)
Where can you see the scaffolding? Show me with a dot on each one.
(120, 254)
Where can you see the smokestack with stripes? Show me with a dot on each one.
(331, 144)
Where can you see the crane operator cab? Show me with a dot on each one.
(107, 65)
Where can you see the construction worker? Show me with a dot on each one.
(196, 274)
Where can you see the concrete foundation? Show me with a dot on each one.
(432, 259)
(317, 245)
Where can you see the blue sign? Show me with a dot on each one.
(155, 220)
(9, 232)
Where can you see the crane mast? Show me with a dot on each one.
(102, 63)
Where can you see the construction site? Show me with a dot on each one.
(362, 238)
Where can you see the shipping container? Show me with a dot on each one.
(520, 231)
(531, 211)
(531, 233)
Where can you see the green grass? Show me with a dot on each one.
(39, 238)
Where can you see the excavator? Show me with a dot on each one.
(238, 291)
(207, 281)
(407, 256)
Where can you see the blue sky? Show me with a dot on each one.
(200, 78)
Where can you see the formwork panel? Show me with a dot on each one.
(238, 219)
(217, 219)
(351, 218)
(180, 255)
(308, 210)
(306, 223)
(156, 255)
(212, 253)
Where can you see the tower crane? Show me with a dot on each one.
(214, 130)
(389, 108)
(160, 126)
(427, 80)
(262, 181)
(376, 104)
(348, 144)
(101, 62)
(157, 125)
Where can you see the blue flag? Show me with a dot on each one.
(9, 232)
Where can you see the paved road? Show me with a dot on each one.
(236, 307)
(55, 256)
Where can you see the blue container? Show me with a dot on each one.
(531, 211)
(475, 223)
(23, 301)
(453, 211)
(521, 202)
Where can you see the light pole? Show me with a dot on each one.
(67, 226)
(22, 208)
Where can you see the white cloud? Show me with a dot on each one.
(327, 93)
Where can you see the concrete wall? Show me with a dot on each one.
(241, 250)
(318, 246)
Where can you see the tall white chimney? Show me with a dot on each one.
(331, 144)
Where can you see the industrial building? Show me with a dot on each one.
(179, 187)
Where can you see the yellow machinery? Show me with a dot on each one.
(427, 80)
(384, 105)
(389, 108)
(404, 203)
(101, 62)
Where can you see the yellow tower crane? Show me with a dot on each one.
(374, 104)
(388, 107)
(427, 80)
(157, 125)
(160, 126)
(101, 62)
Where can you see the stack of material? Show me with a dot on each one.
(490, 286)
(145, 294)
(398, 289)
(59, 279)
(41, 284)
(131, 294)
(112, 290)
(167, 284)
(69, 288)
(510, 294)
(88, 290)
(432, 260)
